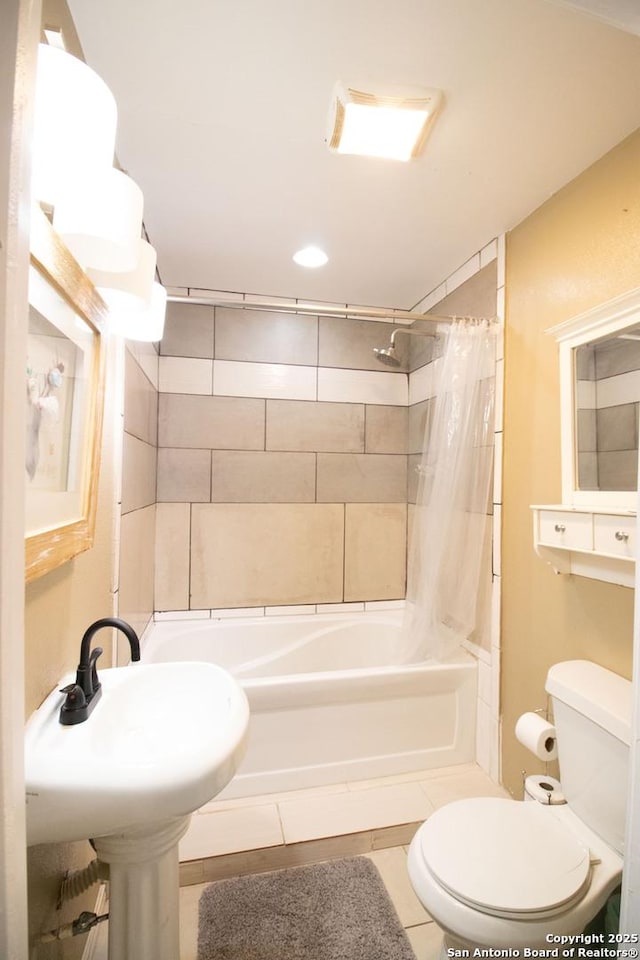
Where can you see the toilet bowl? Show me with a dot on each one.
(506, 874)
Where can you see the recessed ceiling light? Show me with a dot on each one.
(311, 257)
(375, 125)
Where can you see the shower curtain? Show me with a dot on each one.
(450, 536)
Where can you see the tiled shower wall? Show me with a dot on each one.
(282, 467)
(476, 289)
(139, 431)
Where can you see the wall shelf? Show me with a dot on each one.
(596, 542)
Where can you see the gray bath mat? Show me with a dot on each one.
(339, 910)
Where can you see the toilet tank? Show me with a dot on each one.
(592, 717)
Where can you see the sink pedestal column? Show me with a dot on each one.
(144, 890)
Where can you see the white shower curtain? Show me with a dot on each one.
(450, 533)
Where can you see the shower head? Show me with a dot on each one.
(387, 355)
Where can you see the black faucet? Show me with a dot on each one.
(83, 695)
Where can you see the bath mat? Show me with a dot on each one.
(338, 910)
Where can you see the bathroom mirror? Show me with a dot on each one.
(64, 401)
(600, 403)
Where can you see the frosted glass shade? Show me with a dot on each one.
(74, 124)
(128, 290)
(100, 220)
(146, 324)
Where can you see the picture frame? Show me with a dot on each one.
(64, 404)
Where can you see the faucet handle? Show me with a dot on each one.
(74, 708)
(75, 696)
(95, 683)
(87, 674)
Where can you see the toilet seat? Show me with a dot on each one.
(505, 859)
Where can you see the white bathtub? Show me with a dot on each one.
(327, 703)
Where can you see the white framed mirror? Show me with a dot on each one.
(599, 355)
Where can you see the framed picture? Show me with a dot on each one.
(64, 404)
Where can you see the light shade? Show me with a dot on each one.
(128, 291)
(100, 220)
(74, 124)
(146, 324)
(374, 125)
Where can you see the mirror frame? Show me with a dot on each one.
(47, 549)
(608, 318)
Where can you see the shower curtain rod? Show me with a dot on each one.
(326, 310)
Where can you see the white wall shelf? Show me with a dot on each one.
(597, 542)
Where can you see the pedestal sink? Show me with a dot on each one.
(163, 740)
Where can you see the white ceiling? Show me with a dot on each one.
(222, 122)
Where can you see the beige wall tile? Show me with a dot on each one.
(185, 375)
(386, 429)
(419, 417)
(184, 475)
(140, 402)
(308, 425)
(262, 554)
(266, 337)
(227, 423)
(188, 331)
(362, 386)
(475, 296)
(278, 381)
(138, 473)
(172, 556)
(146, 356)
(350, 343)
(355, 477)
(413, 463)
(247, 476)
(135, 595)
(375, 551)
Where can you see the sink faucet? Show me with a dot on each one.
(83, 695)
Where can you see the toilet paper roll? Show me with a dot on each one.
(546, 790)
(537, 735)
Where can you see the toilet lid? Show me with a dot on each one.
(504, 857)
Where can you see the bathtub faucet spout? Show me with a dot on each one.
(83, 695)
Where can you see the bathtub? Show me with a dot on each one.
(327, 702)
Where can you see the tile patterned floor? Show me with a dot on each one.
(374, 818)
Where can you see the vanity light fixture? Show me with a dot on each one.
(100, 220)
(96, 208)
(74, 124)
(310, 257)
(136, 302)
(374, 124)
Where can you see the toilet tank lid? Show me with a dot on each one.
(597, 693)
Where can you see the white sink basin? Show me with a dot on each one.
(163, 739)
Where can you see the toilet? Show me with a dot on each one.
(505, 874)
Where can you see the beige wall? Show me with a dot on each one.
(59, 607)
(576, 251)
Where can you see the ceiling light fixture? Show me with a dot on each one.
(311, 257)
(375, 125)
